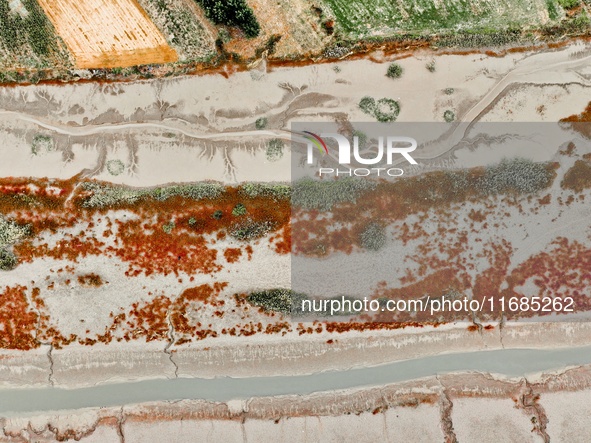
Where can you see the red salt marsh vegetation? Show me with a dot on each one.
(152, 235)
(580, 122)
(177, 232)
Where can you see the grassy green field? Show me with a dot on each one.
(364, 18)
(28, 39)
(182, 28)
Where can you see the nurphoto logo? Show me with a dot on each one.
(390, 147)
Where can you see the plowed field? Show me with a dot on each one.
(108, 33)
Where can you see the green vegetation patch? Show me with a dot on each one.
(27, 37)
(42, 144)
(384, 110)
(8, 260)
(569, 4)
(510, 176)
(373, 237)
(515, 175)
(449, 116)
(367, 18)
(552, 9)
(169, 227)
(261, 123)
(483, 37)
(182, 28)
(251, 230)
(387, 110)
(367, 105)
(286, 301)
(277, 300)
(274, 191)
(115, 167)
(11, 232)
(394, 71)
(239, 210)
(275, 150)
(323, 195)
(232, 13)
(108, 195)
(578, 25)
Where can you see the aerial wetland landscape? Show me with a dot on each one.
(296, 221)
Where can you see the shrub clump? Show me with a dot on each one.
(394, 71)
(323, 195)
(337, 51)
(367, 105)
(239, 210)
(475, 38)
(251, 230)
(8, 260)
(387, 110)
(515, 175)
(449, 116)
(373, 237)
(169, 227)
(115, 167)
(384, 109)
(284, 301)
(232, 13)
(11, 232)
(261, 123)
